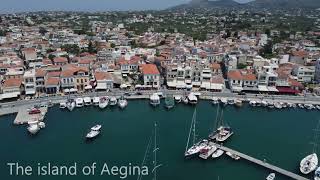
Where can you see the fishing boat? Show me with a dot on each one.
(71, 104)
(103, 102)
(317, 174)
(238, 103)
(271, 176)
(79, 102)
(233, 156)
(178, 99)
(192, 98)
(207, 151)
(122, 102)
(217, 153)
(196, 146)
(215, 100)
(62, 105)
(309, 163)
(169, 102)
(113, 101)
(154, 99)
(87, 101)
(96, 101)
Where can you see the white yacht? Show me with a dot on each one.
(253, 103)
(224, 101)
(96, 127)
(309, 163)
(196, 148)
(154, 99)
(63, 105)
(264, 103)
(113, 101)
(178, 99)
(217, 153)
(230, 101)
(233, 156)
(33, 127)
(87, 101)
(185, 100)
(122, 102)
(94, 132)
(317, 174)
(79, 102)
(192, 98)
(238, 102)
(103, 102)
(271, 176)
(223, 133)
(71, 104)
(96, 101)
(309, 106)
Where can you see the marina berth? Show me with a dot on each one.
(233, 156)
(79, 102)
(155, 99)
(96, 101)
(207, 151)
(103, 102)
(87, 101)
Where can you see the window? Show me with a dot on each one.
(64, 81)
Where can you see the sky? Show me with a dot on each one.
(87, 5)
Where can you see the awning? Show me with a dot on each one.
(272, 89)
(263, 88)
(88, 87)
(9, 95)
(138, 86)
(30, 92)
(237, 88)
(172, 84)
(73, 90)
(287, 90)
(101, 86)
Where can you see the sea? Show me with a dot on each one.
(125, 147)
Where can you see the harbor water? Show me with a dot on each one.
(280, 137)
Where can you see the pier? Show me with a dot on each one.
(23, 115)
(262, 163)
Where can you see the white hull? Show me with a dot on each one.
(209, 150)
(217, 153)
(196, 148)
(113, 101)
(309, 163)
(233, 156)
(123, 103)
(271, 176)
(103, 102)
(317, 174)
(71, 106)
(63, 105)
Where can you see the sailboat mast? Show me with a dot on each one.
(194, 126)
(316, 137)
(155, 151)
(217, 120)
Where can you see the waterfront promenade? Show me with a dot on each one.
(13, 107)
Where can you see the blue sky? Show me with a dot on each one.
(90, 5)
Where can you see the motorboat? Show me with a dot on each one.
(155, 99)
(233, 156)
(178, 99)
(79, 102)
(264, 103)
(113, 101)
(224, 101)
(71, 104)
(217, 153)
(271, 176)
(42, 125)
(215, 100)
(318, 107)
(277, 105)
(122, 102)
(96, 127)
(309, 163)
(309, 106)
(207, 151)
(317, 174)
(33, 127)
(169, 102)
(103, 102)
(301, 105)
(192, 99)
(96, 101)
(185, 100)
(253, 103)
(230, 101)
(62, 105)
(87, 101)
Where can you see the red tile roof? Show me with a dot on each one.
(12, 83)
(52, 81)
(102, 76)
(235, 75)
(60, 60)
(149, 69)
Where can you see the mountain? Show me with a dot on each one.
(285, 3)
(208, 4)
(253, 4)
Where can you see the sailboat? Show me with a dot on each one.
(310, 162)
(71, 104)
(196, 147)
(155, 149)
(223, 131)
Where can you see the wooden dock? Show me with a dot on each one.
(263, 164)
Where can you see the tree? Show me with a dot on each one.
(51, 57)
(267, 50)
(113, 45)
(91, 48)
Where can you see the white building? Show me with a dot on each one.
(29, 81)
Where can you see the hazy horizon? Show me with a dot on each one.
(10, 6)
